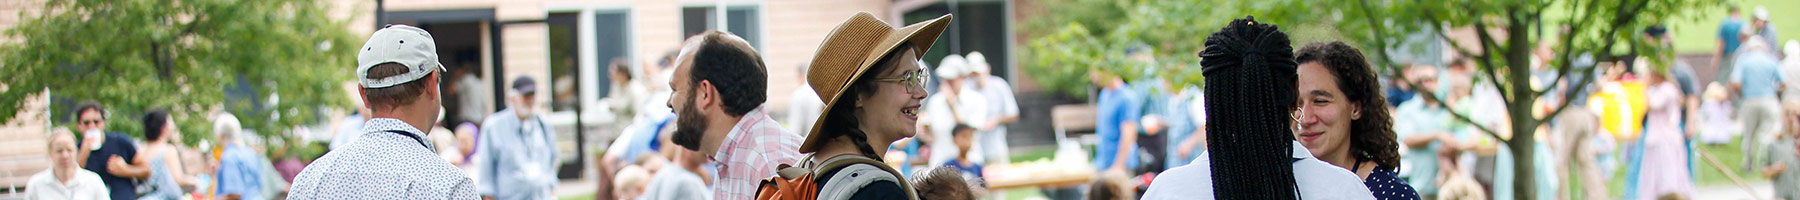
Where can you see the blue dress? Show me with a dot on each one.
(1386, 184)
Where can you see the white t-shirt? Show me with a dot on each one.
(804, 108)
(85, 186)
(1315, 179)
(971, 107)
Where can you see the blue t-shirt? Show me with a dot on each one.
(973, 170)
(1759, 74)
(1728, 32)
(1117, 105)
(115, 145)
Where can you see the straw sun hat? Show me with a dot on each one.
(851, 49)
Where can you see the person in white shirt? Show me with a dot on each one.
(803, 106)
(949, 106)
(65, 179)
(1002, 108)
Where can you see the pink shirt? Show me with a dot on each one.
(750, 153)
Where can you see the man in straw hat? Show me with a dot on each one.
(719, 86)
(867, 73)
(1250, 71)
(398, 72)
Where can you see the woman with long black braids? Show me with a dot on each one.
(1250, 74)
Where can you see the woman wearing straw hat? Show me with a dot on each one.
(866, 72)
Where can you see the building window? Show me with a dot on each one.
(979, 26)
(612, 41)
(743, 20)
(565, 61)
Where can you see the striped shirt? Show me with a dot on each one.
(750, 153)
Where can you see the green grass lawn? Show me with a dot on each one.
(1705, 174)
(1700, 36)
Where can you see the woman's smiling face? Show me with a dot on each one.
(891, 109)
(1324, 114)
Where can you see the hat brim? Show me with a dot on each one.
(921, 35)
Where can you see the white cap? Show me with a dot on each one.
(978, 63)
(1760, 13)
(1792, 48)
(952, 67)
(406, 45)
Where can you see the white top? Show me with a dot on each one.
(85, 186)
(971, 108)
(1315, 179)
(804, 108)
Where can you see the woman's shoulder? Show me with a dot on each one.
(1385, 183)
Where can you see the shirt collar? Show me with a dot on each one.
(1300, 152)
(391, 124)
(744, 124)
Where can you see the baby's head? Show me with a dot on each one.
(630, 182)
(1715, 92)
(941, 183)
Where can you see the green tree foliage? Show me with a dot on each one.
(1083, 34)
(273, 63)
(1507, 33)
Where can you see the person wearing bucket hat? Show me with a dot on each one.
(720, 84)
(1002, 108)
(953, 104)
(866, 72)
(398, 71)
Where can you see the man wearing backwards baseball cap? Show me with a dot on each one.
(398, 71)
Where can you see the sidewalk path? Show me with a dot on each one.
(1733, 191)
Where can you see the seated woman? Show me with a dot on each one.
(1342, 119)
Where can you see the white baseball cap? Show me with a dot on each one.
(952, 67)
(978, 63)
(1760, 13)
(402, 44)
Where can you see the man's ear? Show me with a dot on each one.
(705, 95)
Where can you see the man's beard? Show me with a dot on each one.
(689, 127)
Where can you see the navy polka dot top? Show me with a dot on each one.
(1386, 184)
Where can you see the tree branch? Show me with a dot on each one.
(1619, 19)
(1381, 40)
(1489, 47)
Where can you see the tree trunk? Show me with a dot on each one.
(1524, 124)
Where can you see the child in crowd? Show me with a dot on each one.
(1111, 185)
(1781, 157)
(629, 182)
(1715, 110)
(964, 137)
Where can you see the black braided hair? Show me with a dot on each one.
(1249, 68)
(842, 121)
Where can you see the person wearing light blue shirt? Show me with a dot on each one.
(518, 150)
(240, 170)
(1117, 123)
(1757, 78)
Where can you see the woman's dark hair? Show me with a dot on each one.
(842, 121)
(154, 122)
(1372, 135)
(1249, 71)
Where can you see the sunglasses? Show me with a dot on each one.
(912, 79)
(91, 122)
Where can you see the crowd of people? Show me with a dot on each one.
(870, 122)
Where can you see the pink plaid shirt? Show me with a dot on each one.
(750, 153)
